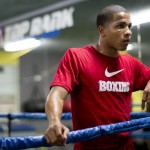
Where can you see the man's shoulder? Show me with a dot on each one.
(79, 50)
(127, 56)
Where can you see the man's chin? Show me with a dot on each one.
(123, 47)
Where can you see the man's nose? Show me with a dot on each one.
(128, 32)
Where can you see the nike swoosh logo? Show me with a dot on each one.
(110, 74)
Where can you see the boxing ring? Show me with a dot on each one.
(139, 121)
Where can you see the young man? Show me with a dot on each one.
(100, 82)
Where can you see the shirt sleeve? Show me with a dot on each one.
(67, 73)
(142, 75)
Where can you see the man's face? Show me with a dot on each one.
(117, 33)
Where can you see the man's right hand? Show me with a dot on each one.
(56, 134)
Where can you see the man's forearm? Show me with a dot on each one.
(56, 132)
(53, 108)
(54, 104)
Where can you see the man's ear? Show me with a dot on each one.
(101, 30)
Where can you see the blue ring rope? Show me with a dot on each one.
(17, 143)
(136, 105)
(145, 135)
(137, 115)
(65, 116)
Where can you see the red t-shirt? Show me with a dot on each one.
(100, 88)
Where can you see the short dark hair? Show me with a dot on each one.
(106, 14)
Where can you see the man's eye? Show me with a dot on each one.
(130, 27)
(120, 26)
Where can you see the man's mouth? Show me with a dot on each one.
(127, 41)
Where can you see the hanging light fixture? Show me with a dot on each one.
(29, 43)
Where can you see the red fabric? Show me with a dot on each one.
(97, 99)
(67, 106)
(123, 144)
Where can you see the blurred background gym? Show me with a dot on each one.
(34, 35)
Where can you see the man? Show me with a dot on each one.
(100, 82)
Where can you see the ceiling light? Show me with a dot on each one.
(22, 45)
(140, 17)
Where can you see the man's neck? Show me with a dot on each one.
(106, 50)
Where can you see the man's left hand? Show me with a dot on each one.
(146, 95)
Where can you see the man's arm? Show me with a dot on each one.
(146, 95)
(56, 133)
